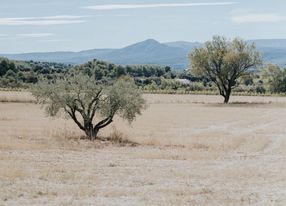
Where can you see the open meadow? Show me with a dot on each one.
(191, 150)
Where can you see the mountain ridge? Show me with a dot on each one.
(150, 51)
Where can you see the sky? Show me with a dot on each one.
(75, 25)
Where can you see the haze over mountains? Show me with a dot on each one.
(174, 54)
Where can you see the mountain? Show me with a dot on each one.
(273, 50)
(187, 46)
(147, 52)
(61, 57)
(150, 51)
(270, 43)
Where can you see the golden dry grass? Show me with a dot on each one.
(16, 96)
(194, 151)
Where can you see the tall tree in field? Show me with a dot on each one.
(90, 105)
(224, 62)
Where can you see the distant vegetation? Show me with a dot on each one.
(21, 74)
(149, 78)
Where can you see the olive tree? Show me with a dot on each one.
(224, 62)
(90, 105)
(275, 78)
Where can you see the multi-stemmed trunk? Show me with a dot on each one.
(91, 130)
(91, 133)
(225, 89)
(87, 112)
(227, 95)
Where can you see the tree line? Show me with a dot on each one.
(21, 74)
(150, 78)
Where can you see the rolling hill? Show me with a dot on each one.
(150, 51)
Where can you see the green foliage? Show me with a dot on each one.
(5, 66)
(275, 78)
(21, 74)
(82, 95)
(149, 78)
(107, 71)
(124, 99)
(224, 62)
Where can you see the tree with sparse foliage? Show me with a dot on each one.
(275, 78)
(224, 62)
(90, 105)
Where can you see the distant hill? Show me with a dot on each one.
(150, 51)
(273, 50)
(187, 46)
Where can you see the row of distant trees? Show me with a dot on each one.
(16, 74)
(20, 73)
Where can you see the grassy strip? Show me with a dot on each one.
(19, 99)
(5, 100)
(234, 93)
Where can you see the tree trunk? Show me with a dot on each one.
(226, 100)
(91, 133)
(227, 96)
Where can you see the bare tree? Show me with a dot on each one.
(84, 101)
(224, 62)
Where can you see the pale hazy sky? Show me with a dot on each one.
(63, 25)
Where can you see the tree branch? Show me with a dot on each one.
(107, 123)
(91, 104)
(73, 116)
(104, 122)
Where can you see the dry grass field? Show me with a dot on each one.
(192, 151)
